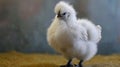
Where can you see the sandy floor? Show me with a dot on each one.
(15, 59)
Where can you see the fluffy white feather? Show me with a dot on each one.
(93, 31)
(71, 37)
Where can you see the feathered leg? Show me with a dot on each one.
(80, 63)
(68, 64)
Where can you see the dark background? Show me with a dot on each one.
(23, 23)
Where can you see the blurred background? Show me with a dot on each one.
(23, 23)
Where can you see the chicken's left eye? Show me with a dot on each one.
(64, 13)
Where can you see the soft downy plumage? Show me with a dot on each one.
(72, 37)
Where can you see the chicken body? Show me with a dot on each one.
(71, 40)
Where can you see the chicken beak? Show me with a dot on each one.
(59, 15)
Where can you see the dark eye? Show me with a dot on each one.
(64, 13)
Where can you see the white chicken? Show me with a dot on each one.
(72, 37)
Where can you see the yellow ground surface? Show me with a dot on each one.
(16, 59)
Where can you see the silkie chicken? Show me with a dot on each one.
(73, 37)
